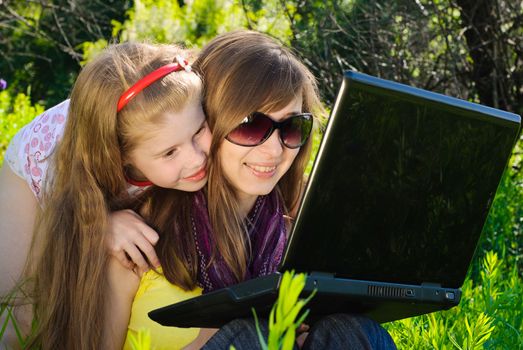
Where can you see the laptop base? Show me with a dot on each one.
(383, 302)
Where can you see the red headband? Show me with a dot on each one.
(151, 78)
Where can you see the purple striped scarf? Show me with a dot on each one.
(267, 234)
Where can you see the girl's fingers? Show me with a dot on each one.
(149, 233)
(137, 258)
(147, 249)
(124, 260)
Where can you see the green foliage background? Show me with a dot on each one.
(429, 44)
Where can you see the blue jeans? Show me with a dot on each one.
(340, 331)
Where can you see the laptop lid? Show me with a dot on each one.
(401, 186)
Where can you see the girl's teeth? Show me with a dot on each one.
(263, 169)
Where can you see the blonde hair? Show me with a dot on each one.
(89, 182)
(243, 72)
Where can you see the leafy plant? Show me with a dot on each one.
(488, 317)
(477, 333)
(284, 319)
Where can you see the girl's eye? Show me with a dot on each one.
(202, 129)
(169, 154)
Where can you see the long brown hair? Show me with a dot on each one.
(243, 72)
(88, 182)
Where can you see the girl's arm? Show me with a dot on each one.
(18, 208)
(122, 287)
(129, 235)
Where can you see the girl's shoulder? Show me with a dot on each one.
(30, 150)
(123, 282)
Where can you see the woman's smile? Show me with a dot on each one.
(262, 170)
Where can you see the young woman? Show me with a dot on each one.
(134, 119)
(259, 102)
(262, 108)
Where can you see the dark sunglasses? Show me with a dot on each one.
(258, 127)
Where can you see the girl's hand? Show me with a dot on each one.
(131, 241)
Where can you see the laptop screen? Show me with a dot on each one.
(401, 186)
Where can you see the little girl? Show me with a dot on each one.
(134, 119)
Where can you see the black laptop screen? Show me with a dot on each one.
(402, 190)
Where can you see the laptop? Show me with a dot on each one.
(392, 213)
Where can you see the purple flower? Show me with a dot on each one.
(3, 84)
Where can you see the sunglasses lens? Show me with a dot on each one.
(252, 132)
(296, 130)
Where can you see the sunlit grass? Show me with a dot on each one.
(489, 315)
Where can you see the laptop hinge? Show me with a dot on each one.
(321, 274)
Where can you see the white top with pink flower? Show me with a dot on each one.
(30, 150)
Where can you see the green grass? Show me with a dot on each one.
(488, 317)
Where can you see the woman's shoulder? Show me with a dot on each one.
(30, 149)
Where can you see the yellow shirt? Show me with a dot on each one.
(154, 292)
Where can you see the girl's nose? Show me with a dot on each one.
(272, 145)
